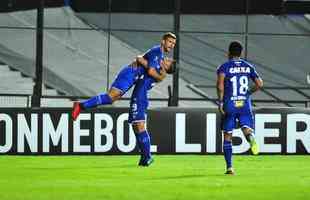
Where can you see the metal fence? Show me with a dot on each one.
(24, 101)
(201, 48)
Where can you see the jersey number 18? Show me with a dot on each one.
(243, 85)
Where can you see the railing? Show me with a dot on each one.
(15, 100)
(274, 98)
(24, 100)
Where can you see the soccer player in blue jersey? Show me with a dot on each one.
(233, 90)
(138, 105)
(151, 67)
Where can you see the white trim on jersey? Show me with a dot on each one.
(245, 126)
(141, 120)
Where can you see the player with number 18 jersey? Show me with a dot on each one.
(237, 101)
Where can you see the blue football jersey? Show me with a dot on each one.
(139, 98)
(238, 74)
(154, 56)
(129, 75)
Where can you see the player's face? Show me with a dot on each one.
(168, 44)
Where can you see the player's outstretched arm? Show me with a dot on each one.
(166, 64)
(157, 76)
(140, 60)
(257, 86)
(166, 67)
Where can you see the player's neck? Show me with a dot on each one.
(162, 49)
(234, 58)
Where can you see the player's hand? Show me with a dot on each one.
(140, 60)
(163, 71)
(221, 108)
(168, 61)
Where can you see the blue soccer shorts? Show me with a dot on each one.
(138, 103)
(125, 79)
(230, 121)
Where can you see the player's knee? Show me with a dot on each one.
(247, 131)
(114, 94)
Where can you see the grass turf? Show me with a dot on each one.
(188, 177)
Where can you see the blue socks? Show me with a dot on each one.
(227, 148)
(144, 144)
(102, 99)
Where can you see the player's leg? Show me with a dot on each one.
(139, 144)
(249, 135)
(137, 112)
(144, 143)
(122, 83)
(247, 127)
(101, 99)
(227, 148)
(228, 125)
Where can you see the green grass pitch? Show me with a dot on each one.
(188, 177)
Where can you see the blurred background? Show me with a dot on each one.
(54, 52)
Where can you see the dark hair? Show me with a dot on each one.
(169, 35)
(235, 49)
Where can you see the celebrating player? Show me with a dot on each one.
(138, 105)
(234, 92)
(144, 72)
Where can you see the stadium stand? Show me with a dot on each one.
(16, 89)
(204, 43)
(82, 69)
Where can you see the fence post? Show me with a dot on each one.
(37, 88)
(176, 52)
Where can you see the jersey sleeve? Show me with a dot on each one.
(152, 58)
(253, 74)
(220, 70)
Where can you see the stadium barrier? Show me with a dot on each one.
(173, 130)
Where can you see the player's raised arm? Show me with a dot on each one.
(166, 67)
(157, 76)
(151, 71)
